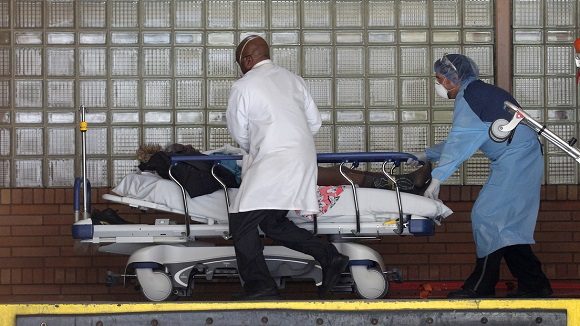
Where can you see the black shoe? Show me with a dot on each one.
(331, 274)
(540, 293)
(468, 294)
(264, 294)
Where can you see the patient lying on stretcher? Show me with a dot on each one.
(415, 182)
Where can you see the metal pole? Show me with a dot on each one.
(83, 127)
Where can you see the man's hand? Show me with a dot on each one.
(433, 189)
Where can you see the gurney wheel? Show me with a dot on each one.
(156, 286)
(369, 283)
(496, 134)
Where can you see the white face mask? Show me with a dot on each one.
(441, 90)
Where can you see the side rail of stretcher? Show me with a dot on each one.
(165, 231)
(353, 158)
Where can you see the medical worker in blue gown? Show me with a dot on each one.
(505, 212)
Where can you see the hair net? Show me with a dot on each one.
(456, 67)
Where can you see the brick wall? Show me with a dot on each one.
(41, 262)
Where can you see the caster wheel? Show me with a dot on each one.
(369, 283)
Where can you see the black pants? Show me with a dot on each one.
(522, 263)
(274, 223)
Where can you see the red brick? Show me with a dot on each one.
(444, 193)
(5, 277)
(542, 236)
(21, 241)
(561, 247)
(35, 252)
(5, 196)
(38, 195)
(58, 219)
(34, 230)
(452, 238)
(475, 192)
(48, 275)
(406, 259)
(34, 209)
(5, 252)
(59, 275)
(58, 241)
(70, 276)
(421, 248)
(446, 258)
(16, 196)
(568, 226)
(20, 262)
(5, 291)
(27, 275)
(556, 257)
(35, 289)
(551, 192)
(4, 231)
(4, 210)
(79, 262)
(38, 276)
(455, 193)
(20, 220)
(451, 226)
(68, 196)
(59, 196)
(84, 289)
(48, 196)
(559, 205)
(16, 276)
(554, 216)
(27, 196)
(572, 192)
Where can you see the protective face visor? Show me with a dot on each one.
(447, 66)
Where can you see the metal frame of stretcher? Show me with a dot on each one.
(354, 158)
(166, 260)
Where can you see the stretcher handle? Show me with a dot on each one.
(356, 157)
(542, 130)
(350, 157)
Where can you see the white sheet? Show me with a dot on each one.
(374, 204)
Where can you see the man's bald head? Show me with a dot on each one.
(250, 51)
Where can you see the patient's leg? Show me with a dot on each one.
(415, 182)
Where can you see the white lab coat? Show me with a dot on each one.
(272, 116)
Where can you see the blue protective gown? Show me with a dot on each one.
(506, 209)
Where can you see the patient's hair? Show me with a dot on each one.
(145, 151)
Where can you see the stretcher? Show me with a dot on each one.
(166, 257)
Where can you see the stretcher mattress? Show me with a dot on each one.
(374, 204)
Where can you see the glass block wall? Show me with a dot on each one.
(544, 74)
(159, 71)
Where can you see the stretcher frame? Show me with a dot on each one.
(165, 258)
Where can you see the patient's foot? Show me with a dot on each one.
(421, 178)
(415, 182)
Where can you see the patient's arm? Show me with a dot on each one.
(415, 182)
(330, 176)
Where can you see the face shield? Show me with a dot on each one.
(457, 68)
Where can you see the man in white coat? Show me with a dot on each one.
(273, 118)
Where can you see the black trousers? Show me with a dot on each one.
(522, 263)
(274, 223)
